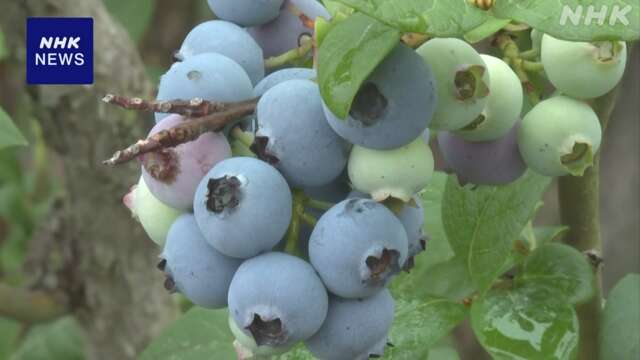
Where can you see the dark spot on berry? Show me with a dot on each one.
(383, 266)
(369, 105)
(169, 284)
(223, 193)
(162, 264)
(270, 333)
(259, 147)
(163, 165)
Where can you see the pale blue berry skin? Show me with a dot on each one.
(495, 162)
(278, 286)
(354, 328)
(246, 12)
(228, 39)
(412, 218)
(310, 153)
(260, 219)
(348, 234)
(407, 84)
(200, 272)
(208, 76)
(283, 75)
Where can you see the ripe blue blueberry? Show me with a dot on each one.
(277, 299)
(357, 247)
(246, 12)
(193, 267)
(283, 75)
(243, 207)
(294, 136)
(228, 39)
(393, 106)
(208, 76)
(355, 329)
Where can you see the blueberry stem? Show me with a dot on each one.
(291, 55)
(317, 204)
(244, 137)
(310, 220)
(530, 54)
(513, 57)
(293, 233)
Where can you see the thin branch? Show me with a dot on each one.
(193, 108)
(512, 57)
(186, 131)
(31, 306)
(290, 56)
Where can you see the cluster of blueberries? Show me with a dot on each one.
(224, 221)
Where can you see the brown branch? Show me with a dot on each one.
(193, 108)
(186, 131)
(31, 306)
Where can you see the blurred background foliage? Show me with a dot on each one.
(29, 188)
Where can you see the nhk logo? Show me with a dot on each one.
(588, 15)
(60, 50)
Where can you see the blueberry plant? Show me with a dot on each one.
(291, 185)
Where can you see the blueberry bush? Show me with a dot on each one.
(355, 179)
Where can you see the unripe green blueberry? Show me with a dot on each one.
(461, 79)
(583, 70)
(397, 173)
(503, 107)
(559, 136)
(156, 217)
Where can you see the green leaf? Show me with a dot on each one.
(442, 18)
(9, 133)
(198, 334)
(135, 16)
(562, 269)
(436, 271)
(488, 28)
(59, 340)
(555, 18)
(443, 353)
(620, 331)
(350, 51)
(547, 234)
(525, 323)
(299, 352)
(483, 222)
(419, 325)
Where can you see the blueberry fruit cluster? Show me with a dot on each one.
(225, 221)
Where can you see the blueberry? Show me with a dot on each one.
(228, 39)
(287, 30)
(393, 106)
(583, 70)
(283, 75)
(173, 174)
(357, 247)
(559, 136)
(246, 12)
(462, 82)
(504, 104)
(243, 207)
(277, 299)
(495, 162)
(154, 216)
(209, 76)
(294, 136)
(355, 329)
(411, 216)
(397, 173)
(194, 268)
